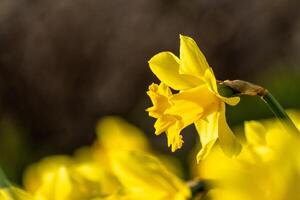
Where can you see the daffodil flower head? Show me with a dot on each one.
(64, 178)
(143, 176)
(268, 166)
(113, 131)
(196, 101)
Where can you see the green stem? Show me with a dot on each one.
(239, 87)
(279, 111)
(3, 180)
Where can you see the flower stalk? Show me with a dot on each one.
(240, 88)
(3, 180)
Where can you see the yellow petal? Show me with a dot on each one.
(159, 95)
(42, 173)
(174, 138)
(115, 133)
(186, 111)
(56, 186)
(192, 60)
(162, 123)
(165, 66)
(208, 133)
(201, 95)
(144, 177)
(228, 141)
(232, 101)
(210, 80)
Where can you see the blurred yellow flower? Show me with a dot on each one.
(116, 134)
(90, 173)
(62, 178)
(197, 100)
(136, 175)
(267, 168)
(143, 176)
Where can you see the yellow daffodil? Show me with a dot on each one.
(267, 168)
(62, 178)
(143, 176)
(196, 99)
(115, 134)
(90, 173)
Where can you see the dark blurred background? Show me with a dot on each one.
(66, 63)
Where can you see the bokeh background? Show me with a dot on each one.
(66, 63)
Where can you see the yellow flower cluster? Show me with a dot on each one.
(119, 166)
(267, 168)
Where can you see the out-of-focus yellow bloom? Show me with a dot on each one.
(267, 168)
(116, 134)
(61, 178)
(89, 174)
(43, 171)
(197, 100)
(14, 193)
(144, 177)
